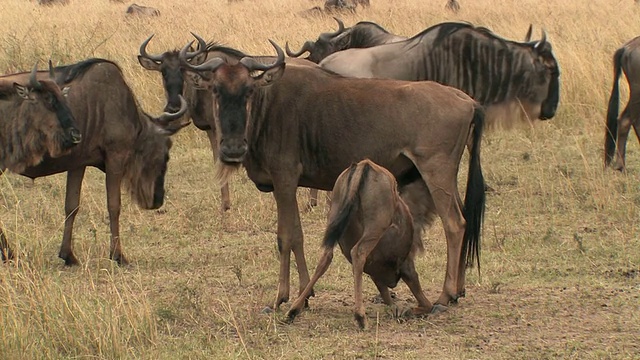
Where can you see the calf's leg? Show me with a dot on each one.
(322, 267)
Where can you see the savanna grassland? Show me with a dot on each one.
(560, 252)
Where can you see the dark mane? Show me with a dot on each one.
(215, 46)
(448, 28)
(67, 73)
(373, 24)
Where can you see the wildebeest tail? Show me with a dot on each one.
(612, 110)
(347, 205)
(474, 200)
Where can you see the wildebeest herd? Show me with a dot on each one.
(383, 120)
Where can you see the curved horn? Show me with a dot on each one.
(210, 65)
(32, 78)
(252, 64)
(202, 47)
(166, 118)
(527, 37)
(52, 74)
(143, 50)
(327, 36)
(542, 41)
(308, 46)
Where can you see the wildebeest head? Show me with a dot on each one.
(325, 45)
(547, 84)
(44, 108)
(145, 176)
(168, 65)
(233, 87)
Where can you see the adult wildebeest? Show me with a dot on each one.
(374, 228)
(53, 2)
(118, 137)
(452, 5)
(361, 35)
(199, 101)
(35, 122)
(504, 76)
(135, 9)
(309, 124)
(627, 59)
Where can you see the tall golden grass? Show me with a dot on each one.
(560, 249)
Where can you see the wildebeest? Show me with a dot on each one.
(505, 76)
(35, 122)
(452, 5)
(53, 2)
(199, 101)
(135, 9)
(118, 137)
(375, 231)
(361, 35)
(307, 126)
(627, 59)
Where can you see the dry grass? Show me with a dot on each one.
(561, 240)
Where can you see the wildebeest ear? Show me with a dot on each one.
(23, 91)
(65, 91)
(148, 63)
(270, 75)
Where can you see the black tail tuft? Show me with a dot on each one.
(612, 110)
(474, 201)
(337, 226)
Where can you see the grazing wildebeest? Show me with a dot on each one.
(627, 59)
(375, 231)
(199, 101)
(361, 35)
(135, 9)
(53, 2)
(307, 126)
(118, 137)
(35, 122)
(505, 76)
(452, 5)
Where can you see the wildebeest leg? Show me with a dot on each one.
(624, 125)
(384, 293)
(359, 254)
(440, 176)
(71, 206)
(323, 265)
(224, 188)
(313, 197)
(410, 277)
(114, 180)
(289, 236)
(5, 250)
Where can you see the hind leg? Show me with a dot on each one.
(624, 125)
(5, 250)
(359, 254)
(322, 267)
(409, 275)
(385, 294)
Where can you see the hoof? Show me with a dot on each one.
(226, 207)
(267, 310)
(361, 320)
(437, 308)
(121, 260)
(69, 260)
(291, 315)
(280, 301)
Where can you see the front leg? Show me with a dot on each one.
(5, 250)
(71, 207)
(114, 180)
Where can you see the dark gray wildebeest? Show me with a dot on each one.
(135, 9)
(199, 102)
(118, 137)
(53, 2)
(374, 228)
(361, 35)
(627, 59)
(35, 123)
(305, 125)
(509, 78)
(452, 5)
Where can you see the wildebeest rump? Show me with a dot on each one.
(627, 59)
(364, 34)
(35, 122)
(504, 76)
(135, 9)
(309, 124)
(130, 146)
(199, 101)
(375, 231)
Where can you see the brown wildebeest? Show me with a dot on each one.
(53, 2)
(135, 9)
(512, 79)
(119, 138)
(309, 124)
(627, 59)
(452, 5)
(35, 121)
(200, 101)
(361, 35)
(375, 231)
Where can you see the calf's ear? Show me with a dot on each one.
(23, 91)
(269, 76)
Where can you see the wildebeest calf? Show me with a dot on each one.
(375, 231)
